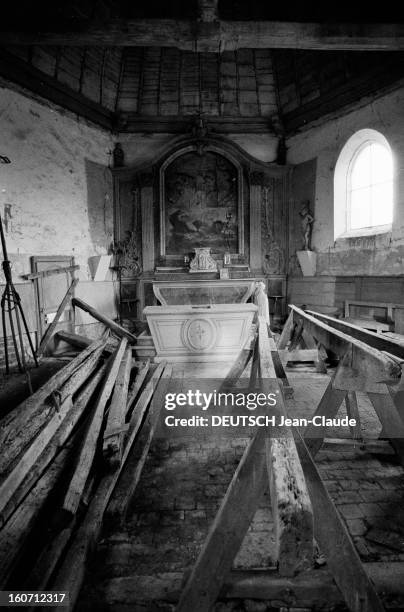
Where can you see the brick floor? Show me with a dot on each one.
(183, 483)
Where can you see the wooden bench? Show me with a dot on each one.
(375, 316)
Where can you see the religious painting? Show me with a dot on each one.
(200, 205)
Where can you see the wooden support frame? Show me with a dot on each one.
(295, 344)
(272, 454)
(369, 363)
(380, 342)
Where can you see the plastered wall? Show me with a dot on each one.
(56, 195)
(368, 255)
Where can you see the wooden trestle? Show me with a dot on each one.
(301, 506)
(110, 461)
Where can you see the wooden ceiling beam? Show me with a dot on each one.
(215, 35)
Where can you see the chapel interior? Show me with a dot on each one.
(202, 194)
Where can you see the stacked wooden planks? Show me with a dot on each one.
(63, 451)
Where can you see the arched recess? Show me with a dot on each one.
(201, 201)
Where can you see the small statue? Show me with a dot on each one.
(307, 221)
(261, 300)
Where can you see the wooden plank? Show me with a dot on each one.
(47, 561)
(15, 478)
(303, 355)
(86, 456)
(114, 509)
(71, 573)
(266, 363)
(136, 458)
(228, 530)
(352, 411)
(335, 542)
(372, 365)
(224, 35)
(53, 446)
(52, 272)
(237, 369)
(21, 425)
(78, 341)
(115, 427)
(50, 330)
(393, 426)
(135, 388)
(291, 506)
(79, 376)
(286, 332)
(17, 529)
(120, 331)
(381, 342)
(254, 366)
(328, 407)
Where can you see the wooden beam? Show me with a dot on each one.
(87, 453)
(78, 341)
(328, 407)
(178, 124)
(17, 430)
(352, 411)
(286, 332)
(15, 533)
(264, 348)
(335, 542)
(120, 331)
(50, 330)
(115, 427)
(53, 446)
(52, 272)
(70, 575)
(380, 342)
(223, 35)
(139, 446)
(237, 369)
(372, 365)
(136, 386)
(393, 426)
(120, 500)
(228, 530)
(291, 507)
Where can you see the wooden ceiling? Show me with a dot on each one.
(245, 66)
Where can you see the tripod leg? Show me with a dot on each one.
(20, 336)
(27, 331)
(3, 320)
(10, 315)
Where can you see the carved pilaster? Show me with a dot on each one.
(146, 182)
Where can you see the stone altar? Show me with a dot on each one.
(198, 292)
(200, 333)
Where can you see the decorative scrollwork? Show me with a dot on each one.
(273, 253)
(127, 256)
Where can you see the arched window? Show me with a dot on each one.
(363, 185)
